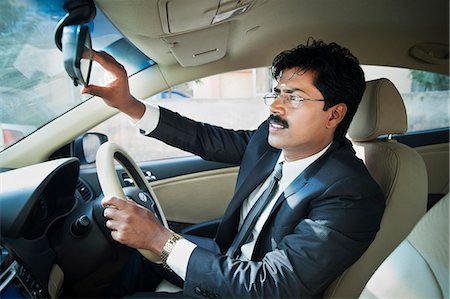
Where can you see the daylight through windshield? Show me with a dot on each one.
(34, 87)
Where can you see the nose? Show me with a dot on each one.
(278, 107)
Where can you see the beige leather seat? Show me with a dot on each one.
(418, 267)
(397, 168)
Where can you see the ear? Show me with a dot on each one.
(337, 114)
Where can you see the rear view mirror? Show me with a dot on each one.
(77, 53)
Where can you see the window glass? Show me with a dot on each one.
(426, 95)
(234, 100)
(34, 87)
(231, 100)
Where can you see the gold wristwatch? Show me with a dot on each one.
(167, 249)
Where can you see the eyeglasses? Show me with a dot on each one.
(290, 100)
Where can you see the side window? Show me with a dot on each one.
(426, 95)
(231, 100)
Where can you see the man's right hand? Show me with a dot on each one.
(117, 92)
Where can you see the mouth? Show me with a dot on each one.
(277, 122)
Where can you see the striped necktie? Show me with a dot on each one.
(255, 212)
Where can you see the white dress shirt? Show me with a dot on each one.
(179, 257)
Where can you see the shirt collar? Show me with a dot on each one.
(293, 169)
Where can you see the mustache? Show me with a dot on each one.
(273, 118)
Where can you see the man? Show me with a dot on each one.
(324, 208)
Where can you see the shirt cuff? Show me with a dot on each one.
(178, 258)
(149, 121)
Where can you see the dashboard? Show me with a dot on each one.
(35, 202)
(16, 281)
(54, 241)
(35, 196)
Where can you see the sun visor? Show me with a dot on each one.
(199, 47)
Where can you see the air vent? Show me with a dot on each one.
(84, 190)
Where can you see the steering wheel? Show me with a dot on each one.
(111, 186)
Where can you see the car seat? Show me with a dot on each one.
(418, 267)
(398, 169)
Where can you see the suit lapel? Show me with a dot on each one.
(293, 188)
(302, 179)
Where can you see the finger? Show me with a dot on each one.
(117, 236)
(87, 54)
(113, 201)
(106, 201)
(95, 90)
(110, 213)
(112, 225)
(108, 62)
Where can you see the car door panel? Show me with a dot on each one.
(433, 146)
(196, 197)
(436, 159)
(160, 169)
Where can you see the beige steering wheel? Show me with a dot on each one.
(111, 186)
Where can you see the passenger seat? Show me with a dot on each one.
(419, 266)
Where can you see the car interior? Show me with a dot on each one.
(414, 269)
(61, 152)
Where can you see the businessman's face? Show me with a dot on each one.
(301, 127)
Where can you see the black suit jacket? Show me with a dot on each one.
(320, 225)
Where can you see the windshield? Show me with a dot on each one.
(34, 87)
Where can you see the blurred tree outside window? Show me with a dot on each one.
(425, 81)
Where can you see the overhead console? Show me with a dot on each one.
(183, 28)
(202, 13)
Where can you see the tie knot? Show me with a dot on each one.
(278, 171)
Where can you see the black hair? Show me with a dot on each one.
(338, 75)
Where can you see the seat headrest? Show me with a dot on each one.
(380, 112)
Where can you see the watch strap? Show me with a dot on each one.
(167, 249)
